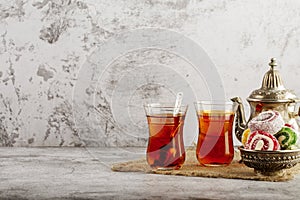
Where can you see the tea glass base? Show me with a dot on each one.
(215, 165)
(166, 168)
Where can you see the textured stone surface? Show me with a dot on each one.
(84, 173)
(44, 44)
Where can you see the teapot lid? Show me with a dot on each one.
(272, 89)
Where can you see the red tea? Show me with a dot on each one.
(215, 144)
(165, 146)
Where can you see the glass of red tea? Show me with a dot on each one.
(165, 148)
(215, 140)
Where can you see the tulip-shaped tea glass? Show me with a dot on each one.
(165, 145)
(215, 141)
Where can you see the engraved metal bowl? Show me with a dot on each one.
(270, 162)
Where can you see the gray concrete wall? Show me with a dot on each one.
(76, 73)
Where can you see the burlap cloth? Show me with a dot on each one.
(191, 167)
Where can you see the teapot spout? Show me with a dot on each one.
(240, 121)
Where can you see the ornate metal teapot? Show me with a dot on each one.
(271, 96)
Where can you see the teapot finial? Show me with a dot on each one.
(273, 63)
(272, 88)
(272, 79)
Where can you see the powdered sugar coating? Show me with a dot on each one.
(268, 121)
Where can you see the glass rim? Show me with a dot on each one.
(163, 105)
(214, 102)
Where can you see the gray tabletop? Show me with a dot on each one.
(84, 173)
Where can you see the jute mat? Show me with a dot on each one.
(191, 167)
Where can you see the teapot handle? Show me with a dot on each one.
(296, 101)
